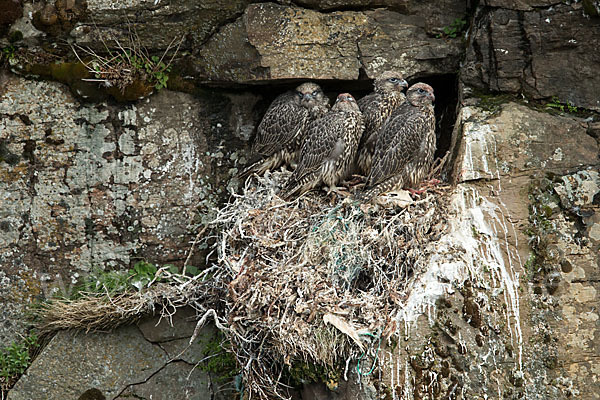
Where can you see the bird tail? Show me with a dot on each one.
(371, 190)
(296, 186)
(368, 194)
(290, 190)
(249, 170)
(363, 162)
(259, 166)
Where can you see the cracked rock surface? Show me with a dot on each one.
(282, 42)
(88, 186)
(132, 361)
(541, 49)
(541, 172)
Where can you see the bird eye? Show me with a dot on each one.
(299, 94)
(315, 93)
(421, 90)
(349, 98)
(393, 80)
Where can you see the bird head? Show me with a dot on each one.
(390, 81)
(345, 102)
(311, 95)
(420, 94)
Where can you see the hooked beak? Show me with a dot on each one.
(403, 84)
(307, 96)
(431, 96)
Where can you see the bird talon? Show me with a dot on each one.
(417, 192)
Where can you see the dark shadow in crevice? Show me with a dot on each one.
(445, 88)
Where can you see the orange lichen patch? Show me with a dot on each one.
(136, 90)
(14, 173)
(27, 288)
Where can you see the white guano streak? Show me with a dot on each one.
(459, 256)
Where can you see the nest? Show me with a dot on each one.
(314, 281)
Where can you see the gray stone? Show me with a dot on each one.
(89, 186)
(436, 14)
(521, 140)
(192, 22)
(197, 351)
(176, 381)
(531, 51)
(180, 325)
(408, 47)
(232, 42)
(525, 5)
(504, 154)
(152, 362)
(229, 56)
(73, 363)
(274, 41)
(578, 189)
(174, 334)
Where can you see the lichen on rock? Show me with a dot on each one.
(93, 185)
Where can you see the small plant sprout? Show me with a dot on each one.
(556, 104)
(14, 360)
(122, 66)
(456, 27)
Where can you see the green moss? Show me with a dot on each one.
(541, 199)
(530, 266)
(301, 373)
(556, 104)
(492, 102)
(14, 360)
(7, 53)
(145, 78)
(101, 282)
(68, 72)
(454, 29)
(138, 89)
(219, 360)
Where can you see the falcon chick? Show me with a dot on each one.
(281, 132)
(376, 107)
(405, 144)
(329, 150)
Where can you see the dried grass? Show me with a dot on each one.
(295, 265)
(125, 64)
(314, 280)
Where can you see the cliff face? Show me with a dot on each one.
(507, 305)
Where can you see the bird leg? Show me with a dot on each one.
(426, 185)
(337, 190)
(416, 192)
(356, 179)
(430, 183)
